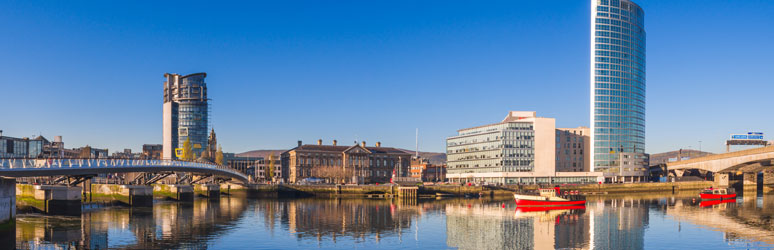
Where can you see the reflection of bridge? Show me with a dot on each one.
(749, 161)
(73, 167)
(737, 220)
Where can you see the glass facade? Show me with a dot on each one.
(505, 147)
(617, 82)
(191, 115)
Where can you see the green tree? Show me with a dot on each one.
(187, 152)
(219, 156)
(270, 171)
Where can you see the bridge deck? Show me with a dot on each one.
(54, 167)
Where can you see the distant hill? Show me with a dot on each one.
(664, 157)
(433, 157)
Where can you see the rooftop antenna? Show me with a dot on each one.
(417, 143)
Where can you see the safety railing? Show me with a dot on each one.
(7, 164)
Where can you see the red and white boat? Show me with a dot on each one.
(547, 197)
(718, 194)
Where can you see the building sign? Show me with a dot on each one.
(758, 136)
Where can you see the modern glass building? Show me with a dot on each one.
(618, 90)
(185, 113)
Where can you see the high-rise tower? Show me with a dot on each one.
(185, 113)
(618, 90)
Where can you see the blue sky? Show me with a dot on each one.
(284, 71)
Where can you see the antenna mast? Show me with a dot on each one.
(417, 143)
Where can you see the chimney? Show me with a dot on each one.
(334, 142)
(1, 133)
(363, 143)
(378, 144)
(319, 142)
(299, 143)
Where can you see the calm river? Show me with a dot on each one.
(624, 222)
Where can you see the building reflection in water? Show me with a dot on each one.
(333, 218)
(166, 225)
(742, 220)
(612, 224)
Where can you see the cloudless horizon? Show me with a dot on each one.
(278, 72)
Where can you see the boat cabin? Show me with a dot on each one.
(718, 191)
(547, 192)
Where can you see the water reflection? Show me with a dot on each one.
(626, 222)
(165, 226)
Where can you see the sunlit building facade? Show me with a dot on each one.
(185, 113)
(618, 90)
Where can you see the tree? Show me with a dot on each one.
(187, 152)
(270, 171)
(206, 154)
(219, 156)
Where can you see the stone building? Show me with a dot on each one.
(573, 150)
(350, 164)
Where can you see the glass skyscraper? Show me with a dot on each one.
(618, 89)
(185, 113)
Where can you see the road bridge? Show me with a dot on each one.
(748, 162)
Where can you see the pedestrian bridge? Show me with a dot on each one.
(745, 161)
(72, 167)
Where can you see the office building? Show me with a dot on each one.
(152, 151)
(572, 150)
(618, 90)
(520, 149)
(12, 147)
(185, 113)
(350, 164)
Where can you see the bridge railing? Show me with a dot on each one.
(107, 163)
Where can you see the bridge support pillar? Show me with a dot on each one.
(211, 191)
(184, 193)
(721, 179)
(768, 181)
(7, 213)
(750, 181)
(59, 200)
(139, 196)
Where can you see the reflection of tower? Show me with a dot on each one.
(185, 113)
(620, 225)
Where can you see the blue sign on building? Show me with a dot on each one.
(748, 136)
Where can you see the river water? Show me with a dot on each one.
(663, 221)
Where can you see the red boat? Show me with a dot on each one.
(547, 197)
(718, 194)
(542, 209)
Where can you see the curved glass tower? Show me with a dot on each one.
(618, 90)
(185, 113)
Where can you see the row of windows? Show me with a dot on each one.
(620, 138)
(618, 112)
(619, 106)
(636, 46)
(615, 118)
(627, 94)
(616, 22)
(631, 101)
(637, 20)
(618, 86)
(616, 131)
(623, 62)
(627, 56)
(623, 31)
(627, 146)
(627, 69)
(619, 125)
(625, 37)
(636, 77)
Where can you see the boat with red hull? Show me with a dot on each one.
(549, 197)
(718, 194)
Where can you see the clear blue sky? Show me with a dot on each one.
(370, 70)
